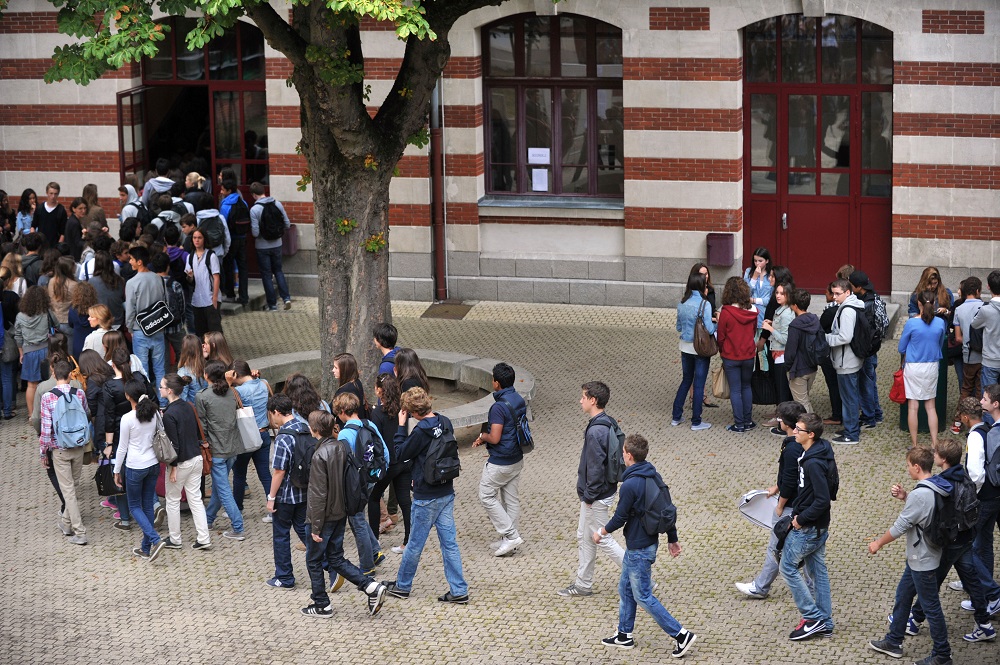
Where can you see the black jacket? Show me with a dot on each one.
(801, 327)
(591, 476)
(414, 447)
(387, 425)
(181, 425)
(632, 506)
(788, 469)
(115, 405)
(812, 505)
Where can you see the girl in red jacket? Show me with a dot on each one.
(737, 324)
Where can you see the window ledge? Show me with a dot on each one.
(552, 206)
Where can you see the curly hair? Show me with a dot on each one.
(736, 292)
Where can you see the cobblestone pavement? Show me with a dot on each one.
(97, 604)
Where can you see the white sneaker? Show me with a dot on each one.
(508, 546)
(956, 585)
(398, 549)
(267, 519)
(746, 588)
(701, 426)
(675, 423)
(992, 608)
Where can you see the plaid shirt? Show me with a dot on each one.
(284, 442)
(46, 440)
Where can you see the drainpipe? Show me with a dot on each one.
(439, 248)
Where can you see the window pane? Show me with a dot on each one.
(190, 64)
(575, 180)
(610, 128)
(840, 49)
(798, 49)
(762, 51)
(539, 179)
(763, 130)
(538, 118)
(537, 52)
(222, 63)
(876, 130)
(252, 47)
(255, 134)
(876, 184)
(609, 51)
(503, 129)
(227, 125)
(161, 66)
(835, 184)
(801, 131)
(611, 181)
(801, 183)
(574, 126)
(836, 132)
(501, 38)
(763, 182)
(876, 54)
(504, 178)
(573, 46)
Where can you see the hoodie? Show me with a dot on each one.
(921, 553)
(388, 363)
(414, 446)
(801, 327)
(812, 505)
(632, 506)
(227, 203)
(129, 209)
(223, 249)
(736, 333)
(843, 358)
(591, 476)
(256, 211)
(155, 187)
(951, 476)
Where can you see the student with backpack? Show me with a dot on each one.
(596, 485)
(971, 340)
(216, 407)
(237, 215)
(921, 344)
(433, 448)
(635, 586)
(846, 362)
(65, 431)
(286, 501)
(922, 559)
(983, 466)
(203, 272)
(212, 224)
(805, 348)
(498, 486)
(268, 222)
(878, 319)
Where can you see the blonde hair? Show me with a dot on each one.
(12, 264)
(103, 315)
(416, 401)
(194, 179)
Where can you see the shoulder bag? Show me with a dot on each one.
(157, 317)
(898, 392)
(246, 423)
(204, 448)
(163, 448)
(704, 342)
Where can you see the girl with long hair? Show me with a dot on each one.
(737, 325)
(95, 213)
(109, 285)
(181, 426)
(114, 340)
(410, 372)
(12, 274)
(217, 410)
(693, 306)
(216, 347)
(921, 345)
(304, 397)
(930, 280)
(8, 216)
(100, 320)
(31, 332)
(345, 370)
(191, 365)
(253, 392)
(399, 477)
(61, 288)
(13, 287)
(26, 212)
(757, 277)
(84, 298)
(107, 423)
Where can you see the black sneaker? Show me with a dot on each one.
(749, 426)
(736, 429)
(684, 643)
(620, 640)
(375, 599)
(846, 440)
(156, 549)
(137, 551)
(394, 591)
(806, 629)
(777, 431)
(317, 611)
(171, 545)
(202, 546)
(457, 600)
(886, 647)
(379, 558)
(122, 527)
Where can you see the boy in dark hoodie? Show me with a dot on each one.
(385, 337)
(800, 373)
(922, 559)
(806, 541)
(635, 586)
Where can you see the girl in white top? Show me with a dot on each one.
(111, 341)
(100, 318)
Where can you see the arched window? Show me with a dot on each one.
(553, 99)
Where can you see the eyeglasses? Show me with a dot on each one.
(799, 429)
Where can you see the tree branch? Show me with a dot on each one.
(279, 34)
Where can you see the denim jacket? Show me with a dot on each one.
(687, 312)
(760, 294)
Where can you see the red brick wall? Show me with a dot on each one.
(946, 124)
(683, 69)
(457, 115)
(698, 170)
(941, 175)
(678, 18)
(59, 114)
(954, 22)
(951, 228)
(683, 120)
(35, 68)
(14, 23)
(548, 220)
(58, 161)
(684, 219)
(947, 73)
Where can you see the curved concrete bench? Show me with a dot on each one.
(464, 370)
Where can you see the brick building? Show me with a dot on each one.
(593, 150)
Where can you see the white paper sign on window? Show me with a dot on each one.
(538, 156)
(539, 180)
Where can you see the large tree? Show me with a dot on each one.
(350, 156)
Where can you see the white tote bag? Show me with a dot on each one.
(246, 423)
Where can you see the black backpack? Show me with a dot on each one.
(815, 349)
(863, 343)
(615, 465)
(372, 450)
(302, 454)
(179, 208)
(238, 218)
(441, 463)
(659, 513)
(522, 430)
(272, 223)
(833, 479)
(955, 516)
(142, 214)
(993, 458)
(213, 231)
(355, 483)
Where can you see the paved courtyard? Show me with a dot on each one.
(98, 604)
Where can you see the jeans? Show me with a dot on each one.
(331, 552)
(498, 495)
(695, 370)
(261, 462)
(924, 585)
(7, 382)
(636, 588)
(398, 478)
(288, 516)
(141, 491)
(851, 398)
(237, 256)
(439, 513)
(142, 345)
(592, 518)
(222, 493)
(738, 374)
(269, 263)
(189, 481)
(871, 410)
(960, 556)
(68, 466)
(990, 375)
(368, 544)
(769, 571)
(809, 545)
(982, 546)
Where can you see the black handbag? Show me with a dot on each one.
(781, 530)
(105, 478)
(156, 318)
(762, 385)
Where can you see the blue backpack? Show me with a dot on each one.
(70, 421)
(522, 430)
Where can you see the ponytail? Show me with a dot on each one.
(215, 373)
(926, 300)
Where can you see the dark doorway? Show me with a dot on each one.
(178, 123)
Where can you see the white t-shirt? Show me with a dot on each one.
(135, 443)
(203, 271)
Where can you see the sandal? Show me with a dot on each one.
(710, 405)
(386, 526)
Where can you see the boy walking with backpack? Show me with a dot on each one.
(984, 469)
(643, 520)
(502, 473)
(268, 221)
(328, 504)
(922, 559)
(601, 466)
(286, 498)
(433, 448)
(64, 432)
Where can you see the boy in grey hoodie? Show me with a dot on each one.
(922, 559)
(845, 363)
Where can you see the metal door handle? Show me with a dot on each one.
(784, 221)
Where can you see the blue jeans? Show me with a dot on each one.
(636, 588)
(269, 263)
(989, 376)
(982, 546)
(769, 571)
(738, 374)
(695, 370)
(331, 552)
(261, 462)
(368, 544)
(222, 493)
(850, 395)
(808, 545)
(236, 258)
(7, 383)
(140, 487)
(439, 513)
(960, 556)
(871, 410)
(287, 516)
(924, 585)
(142, 345)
